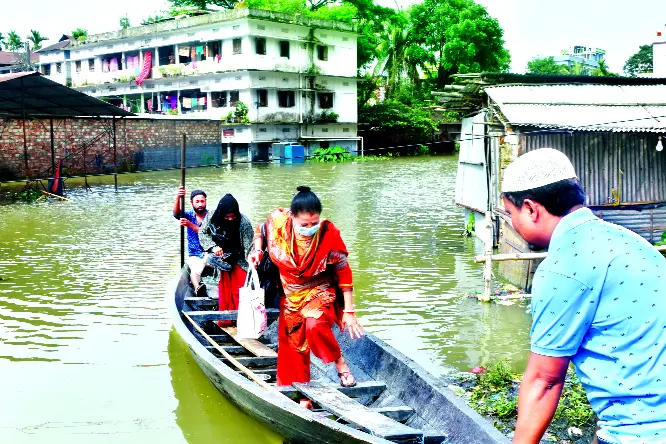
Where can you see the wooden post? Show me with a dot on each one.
(182, 199)
(487, 269)
(115, 156)
(52, 149)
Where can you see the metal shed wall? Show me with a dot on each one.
(604, 159)
(648, 223)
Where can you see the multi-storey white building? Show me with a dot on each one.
(295, 75)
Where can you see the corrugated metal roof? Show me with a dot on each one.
(589, 107)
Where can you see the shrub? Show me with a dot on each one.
(332, 154)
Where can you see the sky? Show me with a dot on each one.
(531, 27)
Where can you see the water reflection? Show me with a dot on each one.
(203, 415)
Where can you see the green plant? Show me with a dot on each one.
(574, 407)
(491, 396)
(241, 113)
(327, 117)
(173, 112)
(331, 154)
(469, 226)
(422, 150)
(29, 193)
(457, 147)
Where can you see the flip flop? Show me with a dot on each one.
(345, 375)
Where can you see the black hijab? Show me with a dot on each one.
(226, 233)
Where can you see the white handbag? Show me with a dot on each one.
(251, 321)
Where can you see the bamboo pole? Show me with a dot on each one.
(249, 373)
(56, 196)
(487, 269)
(527, 256)
(183, 145)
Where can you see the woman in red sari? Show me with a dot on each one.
(312, 259)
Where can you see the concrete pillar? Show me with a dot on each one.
(208, 97)
(143, 103)
(176, 57)
(249, 152)
(230, 153)
(180, 111)
(123, 60)
(159, 102)
(156, 59)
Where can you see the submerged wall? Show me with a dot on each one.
(86, 145)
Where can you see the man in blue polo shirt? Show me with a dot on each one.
(598, 300)
(192, 219)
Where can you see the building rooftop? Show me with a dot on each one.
(210, 19)
(583, 107)
(64, 42)
(10, 58)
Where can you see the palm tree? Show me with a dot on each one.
(36, 38)
(602, 70)
(399, 57)
(14, 42)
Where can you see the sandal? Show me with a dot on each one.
(345, 376)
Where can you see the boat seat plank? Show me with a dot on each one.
(370, 389)
(255, 347)
(201, 303)
(397, 413)
(235, 349)
(353, 412)
(201, 316)
(255, 362)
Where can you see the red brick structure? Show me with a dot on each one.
(86, 145)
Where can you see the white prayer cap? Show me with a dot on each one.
(536, 169)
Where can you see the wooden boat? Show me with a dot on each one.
(395, 399)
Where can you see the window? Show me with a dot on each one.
(237, 46)
(325, 100)
(46, 69)
(58, 68)
(219, 99)
(284, 48)
(233, 98)
(260, 46)
(324, 144)
(77, 64)
(322, 52)
(91, 65)
(262, 97)
(286, 99)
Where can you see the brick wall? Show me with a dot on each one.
(86, 145)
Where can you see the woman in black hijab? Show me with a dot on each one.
(226, 235)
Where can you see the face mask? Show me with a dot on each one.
(306, 231)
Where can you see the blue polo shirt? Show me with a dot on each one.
(193, 245)
(600, 298)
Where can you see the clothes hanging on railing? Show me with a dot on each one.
(113, 64)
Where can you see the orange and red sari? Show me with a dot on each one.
(311, 270)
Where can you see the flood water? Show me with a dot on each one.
(87, 354)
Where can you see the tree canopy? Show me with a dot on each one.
(546, 65)
(36, 38)
(80, 34)
(14, 42)
(460, 37)
(639, 63)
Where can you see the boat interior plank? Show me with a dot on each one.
(226, 315)
(398, 413)
(255, 362)
(366, 389)
(235, 349)
(353, 412)
(254, 346)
